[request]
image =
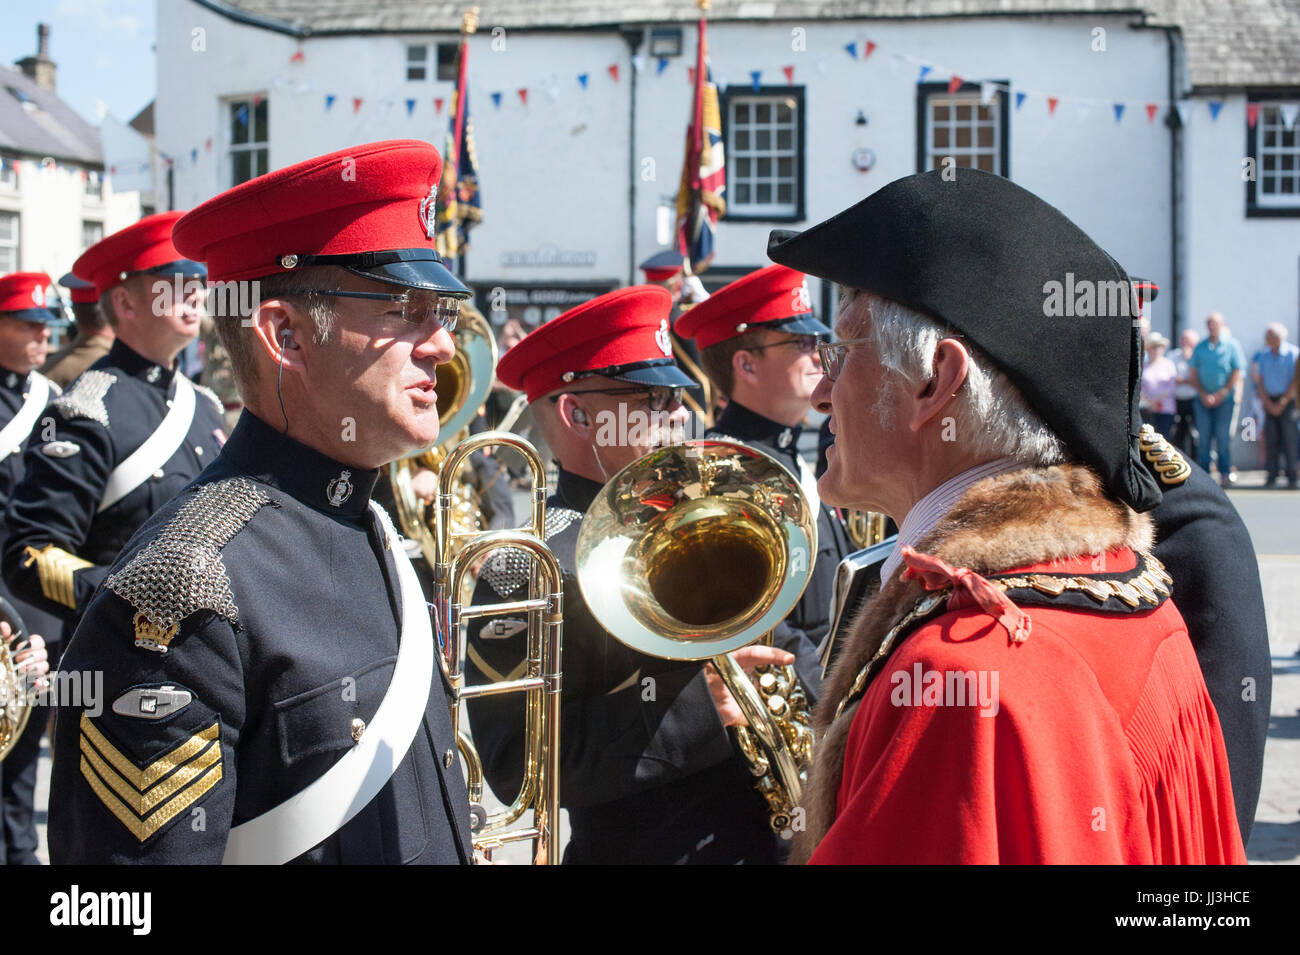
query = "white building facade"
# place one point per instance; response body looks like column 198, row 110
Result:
column 1100, row 114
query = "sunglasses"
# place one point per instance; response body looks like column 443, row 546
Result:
column 805, row 344
column 416, row 310
column 661, row 397
column 833, row 355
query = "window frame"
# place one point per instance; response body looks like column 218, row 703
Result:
column 797, row 93
column 90, row 222
column 1266, row 99
column 229, row 105
column 17, row 244
column 924, row 93
column 434, row 53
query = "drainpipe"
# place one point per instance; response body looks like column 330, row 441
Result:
column 633, row 36
column 1176, row 208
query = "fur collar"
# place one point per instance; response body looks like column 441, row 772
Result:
column 1019, row 519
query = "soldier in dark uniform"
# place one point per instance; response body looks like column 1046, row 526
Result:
column 25, row 318
column 667, row 270
column 93, row 339
column 263, row 636
column 758, row 342
column 649, row 771
column 127, row 436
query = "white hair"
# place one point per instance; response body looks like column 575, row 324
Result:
column 1278, row 329
column 990, row 416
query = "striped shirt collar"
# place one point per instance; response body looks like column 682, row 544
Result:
column 929, row 510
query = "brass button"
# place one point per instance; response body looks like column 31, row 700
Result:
column 358, row 727
column 448, row 758
column 158, row 475
column 198, row 450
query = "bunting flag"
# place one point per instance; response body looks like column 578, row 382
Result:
column 297, row 57
column 523, row 95
column 613, row 71
column 496, row 99
column 925, row 71
column 870, row 48
column 987, row 92
column 1215, row 106
column 582, row 78
column 459, row 201
column 954, row 84
column 1290, row 112
column 1184, row 112
column 756, row 79
column 789, row 74
column 1152, row 109
column 1252, row 114
column 661, row 65
column 1052, row 102
column 410, row 107
column 701, row 198
column 356, row 104
column 1119, row 111
column 437, row 105
column 853, row 49
column 207, row 144
column 1020, row 99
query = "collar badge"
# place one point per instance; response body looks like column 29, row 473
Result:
column 152, row 374
column 339, row 489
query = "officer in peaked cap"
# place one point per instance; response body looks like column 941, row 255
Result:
column 647, row 776
column 758, row 343
column 94, row 335
column 26, row 314
column 269, row 663
column 126, row 436
column 667, row 270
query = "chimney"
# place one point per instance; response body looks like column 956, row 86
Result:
column 40, row 67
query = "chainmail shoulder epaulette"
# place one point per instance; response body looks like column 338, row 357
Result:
column 180, row 571
column 506, row 570
column 85, row 397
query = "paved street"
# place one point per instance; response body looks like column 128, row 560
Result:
column 1273, row 518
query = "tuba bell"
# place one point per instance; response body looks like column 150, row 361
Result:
column 697, row 550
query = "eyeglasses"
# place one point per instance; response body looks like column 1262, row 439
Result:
column 833, row 355
column 661, row 397
column 416, row 310
column 806, row 344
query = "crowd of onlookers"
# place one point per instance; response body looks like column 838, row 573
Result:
column 1196, row 397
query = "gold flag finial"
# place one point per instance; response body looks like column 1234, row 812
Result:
column 469, row 22
column 704, row 5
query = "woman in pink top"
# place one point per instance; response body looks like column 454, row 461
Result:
column 1159, row 378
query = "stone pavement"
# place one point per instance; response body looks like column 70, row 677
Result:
column 1273, row 518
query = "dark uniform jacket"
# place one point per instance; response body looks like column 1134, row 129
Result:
column 648, row 772
column 109, row 411
column 289, row 624
column 811, row 614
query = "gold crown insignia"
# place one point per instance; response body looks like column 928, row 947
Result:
column 154, row 636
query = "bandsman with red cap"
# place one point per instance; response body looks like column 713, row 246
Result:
column 126, row 436
column 94, row 336
column 758, row 343
column 649, row 772
column 27, row 310
column 269, row 664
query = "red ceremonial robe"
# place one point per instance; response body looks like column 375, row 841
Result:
column 1093, row 741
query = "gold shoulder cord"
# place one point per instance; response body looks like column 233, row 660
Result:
column 1170, row 466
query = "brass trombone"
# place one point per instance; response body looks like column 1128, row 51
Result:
column 697, row 550
column 454, row 553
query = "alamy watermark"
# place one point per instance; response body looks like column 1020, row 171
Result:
column 222, row 299
column 922, row 687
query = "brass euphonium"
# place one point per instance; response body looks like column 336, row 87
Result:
column 697, row 550
column 15, row 705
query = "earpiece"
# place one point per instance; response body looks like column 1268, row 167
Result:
column 287, row 339
column 749, row 368
column 579, row 416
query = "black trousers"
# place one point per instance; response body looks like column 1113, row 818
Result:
column 1184, row 433
column 1280, row 438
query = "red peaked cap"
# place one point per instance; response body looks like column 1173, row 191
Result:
column 622, row 334
column 25, row 292
column 140, row 247
column 774, row 296
column 374, row 198
column 79, row 290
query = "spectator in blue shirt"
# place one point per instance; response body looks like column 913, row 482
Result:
column 1216, row 367
column 1273, row 372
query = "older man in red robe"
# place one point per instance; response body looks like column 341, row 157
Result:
column 1022, row 689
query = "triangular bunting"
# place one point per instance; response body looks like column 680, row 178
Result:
column 582, row 78
column 1184, row 111
column 1152, row 108
column 523, row 95
column 613, row 71
column 789, row 73
column 1020, row 99
column 954, row 84
column 410, row 107
column 496, row 99
column 925, row 71
column 207, row 144
column 1119, row 111
column 853, row 49
column 437, row 104
column 661, row 65
column 356, row 104
column 297, row 57
column 1252, row 114
column 756, row 79
column 869, row 49
column 987, row 92
column 638, row 62
column 1215, row 105
column 1290, row 112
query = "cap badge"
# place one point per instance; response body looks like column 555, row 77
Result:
column 38, row 296
column 339, row 489
column 152, row 374
column 803, row 298
column 428, row 212
column 662, row 340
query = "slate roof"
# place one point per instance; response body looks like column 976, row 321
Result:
column 1229, row 43
column 43, row 125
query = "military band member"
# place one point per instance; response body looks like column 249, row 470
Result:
column 758, row 343
column 296, row 656
column 1022, row 689
column 126, row 436
column 93, row 339
column 25, row 320
column 649, row 771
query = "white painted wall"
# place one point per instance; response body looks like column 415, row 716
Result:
column 1246, row 268
column 555, row 172
column 52, row 204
